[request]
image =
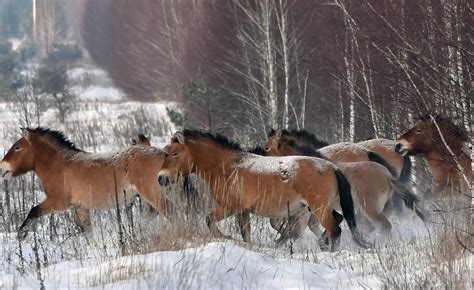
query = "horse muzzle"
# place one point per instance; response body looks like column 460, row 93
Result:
column 400, row 149
column 5, row 171
column 164, row 180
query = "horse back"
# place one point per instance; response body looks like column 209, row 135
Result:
column 344, row 152
column 386, row 149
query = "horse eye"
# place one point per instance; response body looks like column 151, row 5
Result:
column 267, row 149
column 17, row 148
column 175, row 154
column 418, row 130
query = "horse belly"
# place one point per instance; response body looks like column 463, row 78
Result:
column 100, row 199
column 280, row 209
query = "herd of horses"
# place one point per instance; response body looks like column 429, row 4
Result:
column 295, row 179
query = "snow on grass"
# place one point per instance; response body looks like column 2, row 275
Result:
column 96, row 93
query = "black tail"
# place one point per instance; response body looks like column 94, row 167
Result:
column 347, row 206
column 406, row 170
column 379, row 159
column 408, row 197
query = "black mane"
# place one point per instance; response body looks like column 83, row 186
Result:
column 258, row 150
column 141, row 136
column 457, row 130
column 55, row 136
column 306, row 137
column 217, row 138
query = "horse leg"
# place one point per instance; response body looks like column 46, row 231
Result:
column 151, row 194
column 381, row 222
column 331, row 240
column 83, row 219
column 243, row 220
column 314, row 226
column 47, row 206
column 218, row 213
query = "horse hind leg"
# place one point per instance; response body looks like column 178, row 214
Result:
column 380, row 221
column 331, row 239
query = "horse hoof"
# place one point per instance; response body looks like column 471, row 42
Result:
column 21, row 235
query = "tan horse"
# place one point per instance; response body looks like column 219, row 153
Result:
column 74, row 179
column 372, row 184
column 444, row 146
column 189, row 190
column 385, row 149
column 242, row 183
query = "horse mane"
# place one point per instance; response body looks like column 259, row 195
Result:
column 55, row 136
column 445, row 122
column 258, row 150
column 141, row 136
column 306, row 137
column 217, row 139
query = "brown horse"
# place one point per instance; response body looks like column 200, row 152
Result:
column 371, row 183
column 242, row 183
column 444, row 146
column 307, row 144
column 190, row 192
column 74, row 179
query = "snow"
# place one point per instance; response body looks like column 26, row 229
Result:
column 216, row 265
column 95, row 93
column 271, row 164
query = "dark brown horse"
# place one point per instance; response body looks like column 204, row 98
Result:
column 74, row 179
column 242, row 183
column 444, row 146
column 372, row 184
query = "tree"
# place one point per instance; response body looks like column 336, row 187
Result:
column 52, row 82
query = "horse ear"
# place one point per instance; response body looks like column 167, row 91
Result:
column 25, row 132
column 271, row 132
column 148, row 137
column 134, row 142
column 180, row 137
column 278, row 134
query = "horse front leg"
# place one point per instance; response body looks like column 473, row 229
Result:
column 243, row 220
column 49, row 205
column 218, row 213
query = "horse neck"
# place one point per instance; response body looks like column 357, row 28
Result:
column 210, row 161
column 47, row 159
column 442, row 164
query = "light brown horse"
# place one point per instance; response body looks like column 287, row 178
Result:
column 242, row 183
column 444, row 146
column 74, row 179
column 372, row 185
column 189, row 190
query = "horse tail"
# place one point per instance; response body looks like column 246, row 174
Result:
column 347, row 206
column 374, row 157
column 406, row 170
column 408, row 197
